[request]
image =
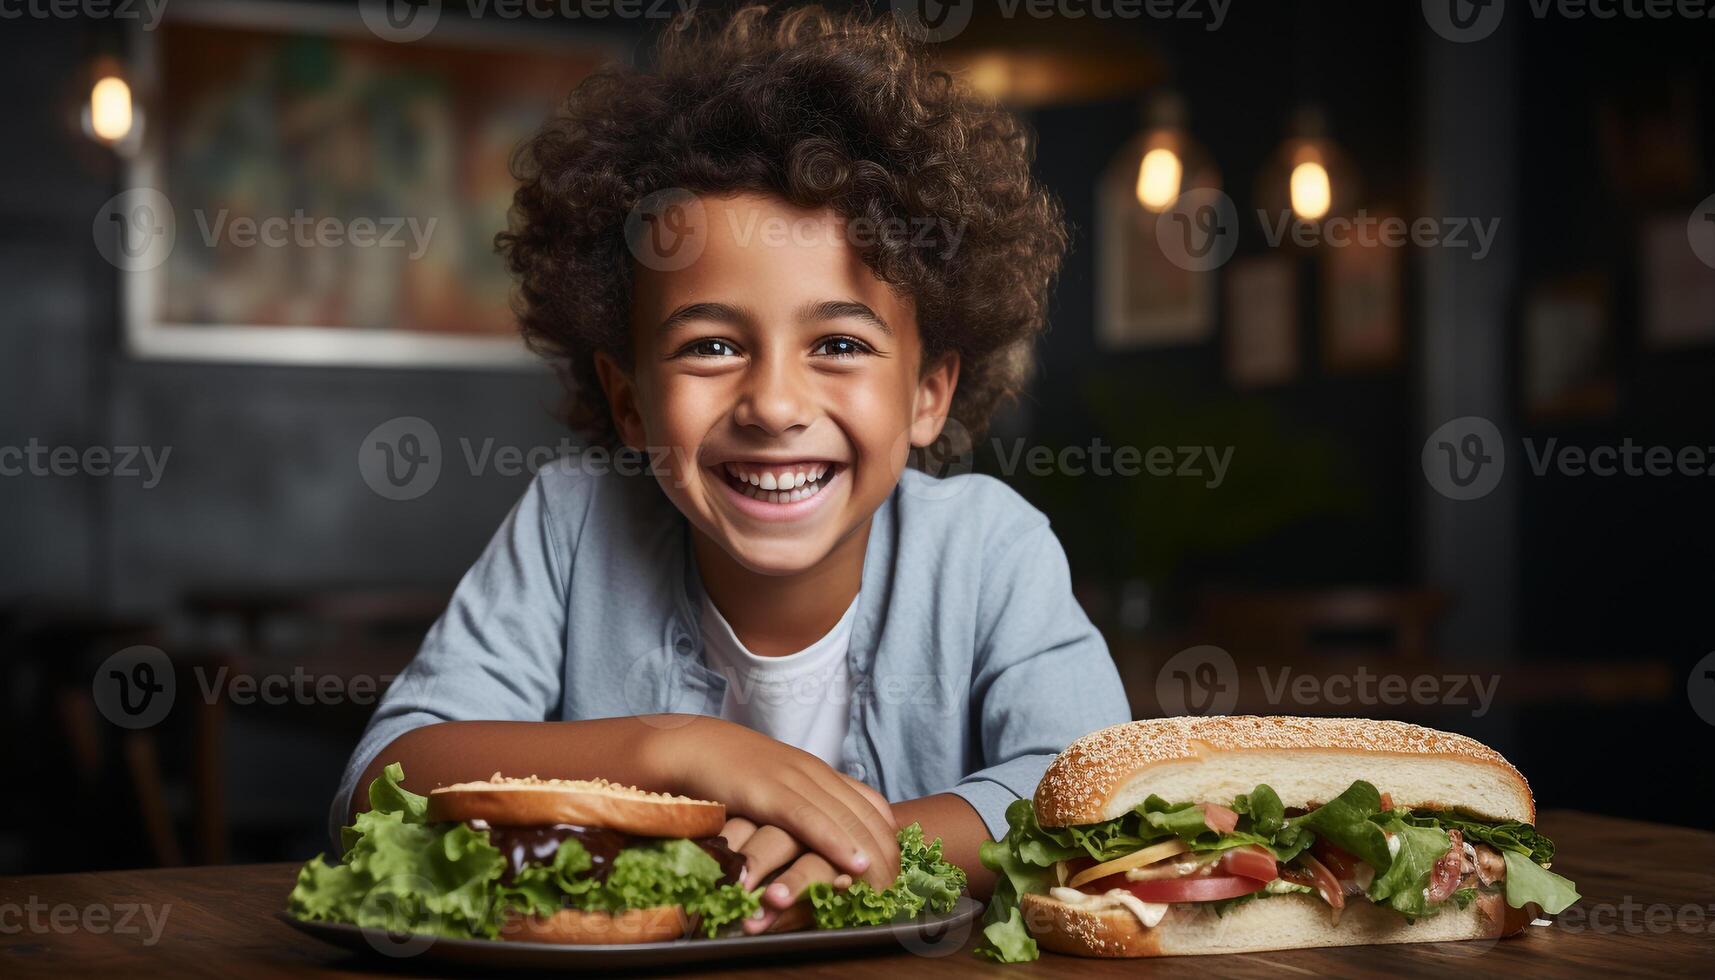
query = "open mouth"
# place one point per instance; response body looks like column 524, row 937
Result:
column 780, row 483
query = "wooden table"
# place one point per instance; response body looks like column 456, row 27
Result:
column 1648, row 910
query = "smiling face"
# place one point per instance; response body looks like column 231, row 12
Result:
column 778, row 383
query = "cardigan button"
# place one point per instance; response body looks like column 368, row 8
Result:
column 857, row 771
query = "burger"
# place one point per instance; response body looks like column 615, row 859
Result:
column 536, row 860
column 617, row 851
column 1185, row 836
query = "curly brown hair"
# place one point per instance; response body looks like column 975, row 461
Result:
column 823, row 110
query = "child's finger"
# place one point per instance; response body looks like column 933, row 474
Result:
column 789, row 887
column 857, row 819
column 791, row 920
column 827, row 826
column 736, row 831
column 868, row 792
column 766, row 851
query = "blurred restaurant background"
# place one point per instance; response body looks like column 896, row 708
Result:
column 1366, row 477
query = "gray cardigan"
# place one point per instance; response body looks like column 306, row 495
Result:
column 972, row 663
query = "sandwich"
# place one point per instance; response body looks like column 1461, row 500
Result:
column 1188, row 836
column 535, row 860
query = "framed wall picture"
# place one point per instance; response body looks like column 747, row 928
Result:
column 332, row 197
column 1678, row 278
column 1262, row 321
column 1143, row 298
column 1362, row 307
column 1567, row 340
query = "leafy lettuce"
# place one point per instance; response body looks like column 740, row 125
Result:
column 926, row 881
column 1401, row 846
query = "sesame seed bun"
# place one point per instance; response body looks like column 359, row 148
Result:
column 661, row 923
column 533, row 802
column 1293, row 921
column 1307, row 761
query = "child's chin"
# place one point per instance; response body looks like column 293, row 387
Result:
column 790, row 557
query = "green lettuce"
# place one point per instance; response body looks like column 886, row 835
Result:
column 402, row 874
column 1402, row 883
column 1529, row 882
column 926, row 881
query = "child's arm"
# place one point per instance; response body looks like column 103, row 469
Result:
column 765, row 780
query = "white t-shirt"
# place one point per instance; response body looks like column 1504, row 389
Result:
column 802, row 699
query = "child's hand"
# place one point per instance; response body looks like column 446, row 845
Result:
column 766, row 850
column 803, row 802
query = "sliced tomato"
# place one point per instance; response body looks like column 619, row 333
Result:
column 1327, row 885
column 1343, row 863
column 1249, row 861
column 1220, row 819
column 1210, row 889
column 1387, row 802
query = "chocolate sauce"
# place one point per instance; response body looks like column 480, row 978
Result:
column 537, row 845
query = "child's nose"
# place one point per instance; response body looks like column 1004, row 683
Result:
column 775, row 398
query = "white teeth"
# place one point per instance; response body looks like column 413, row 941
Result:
column 779, row 488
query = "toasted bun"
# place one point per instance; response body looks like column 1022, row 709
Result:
column 1277, row 922
column 662, row 923
column 531, row 802
column 1308, row 761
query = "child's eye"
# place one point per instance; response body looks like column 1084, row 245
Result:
column 841, row 347
column 709, row 347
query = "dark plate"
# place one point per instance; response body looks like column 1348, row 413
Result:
column 930, row 935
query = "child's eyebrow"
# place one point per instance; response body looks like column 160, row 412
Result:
column 715, row 312
column 843, row 309
column 814, row 312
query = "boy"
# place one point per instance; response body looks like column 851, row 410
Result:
column 776, row 613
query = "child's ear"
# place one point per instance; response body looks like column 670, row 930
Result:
column 934, row 399
column 621, row 392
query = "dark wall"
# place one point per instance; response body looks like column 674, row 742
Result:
column 1344, row 438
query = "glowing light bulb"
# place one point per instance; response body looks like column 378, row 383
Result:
column 1158, row 179
column 1311, row 194
column 110, row 116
